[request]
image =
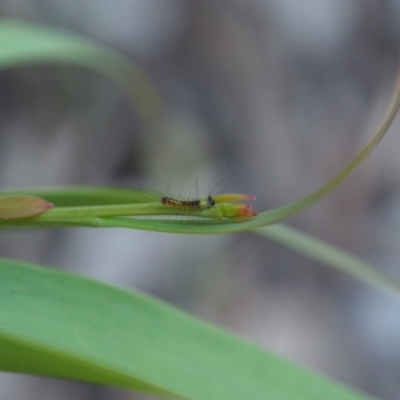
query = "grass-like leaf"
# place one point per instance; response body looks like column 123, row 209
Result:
column 61, row 325
column 330, row 255
column 108, row 216
column 23, row 44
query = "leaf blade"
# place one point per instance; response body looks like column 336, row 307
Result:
column 24, row 43
column 66, row 326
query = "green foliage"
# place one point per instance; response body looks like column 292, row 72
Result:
column 27, row 44
column 62, row 325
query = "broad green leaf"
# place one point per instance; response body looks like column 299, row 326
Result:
column 24, row 44
column 61, row 325
column 22, row 206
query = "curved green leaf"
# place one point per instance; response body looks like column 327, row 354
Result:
column 95, row 217
column 23, row 43
column 61, row 325
column 330, row 255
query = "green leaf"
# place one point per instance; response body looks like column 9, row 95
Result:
column 61, row 325
column 99, row 216
column 86, row 195
column 23, row 44
column 330, row 255
column 22, row 206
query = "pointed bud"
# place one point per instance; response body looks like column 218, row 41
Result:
column 22, row 206
column 238, row 212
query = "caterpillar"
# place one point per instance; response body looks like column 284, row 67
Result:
column 188, row 205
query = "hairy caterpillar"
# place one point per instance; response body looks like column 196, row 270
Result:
column 188, row 205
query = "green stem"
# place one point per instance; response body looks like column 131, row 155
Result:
column 59, row 216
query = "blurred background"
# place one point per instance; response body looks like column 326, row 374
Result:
column 268, row 97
